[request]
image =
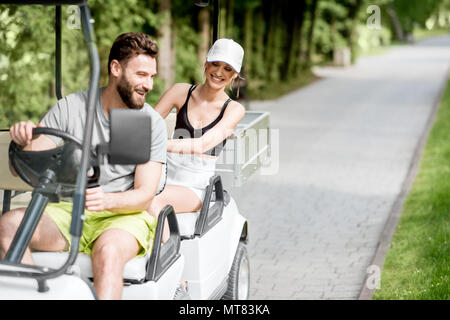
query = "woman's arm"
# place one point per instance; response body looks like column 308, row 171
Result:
column 223, row 129
column 173, row 97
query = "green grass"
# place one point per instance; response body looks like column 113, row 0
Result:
column 375, row 51
column 418, row 263
column 420, row 34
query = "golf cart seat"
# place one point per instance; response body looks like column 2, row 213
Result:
column 187, row 221
column 134, row 271
column 138, row 270
column 190, row 225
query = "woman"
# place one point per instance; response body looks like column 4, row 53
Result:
column 206, row 116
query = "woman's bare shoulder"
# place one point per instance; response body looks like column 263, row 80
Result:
column 181, row 87
column 234, row 112
column 236, row 107
column 174, row 96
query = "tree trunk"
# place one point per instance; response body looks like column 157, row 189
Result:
column 395, row 22
column 229, row 32
column 310, row 50
column 258, row 65
column 222, row 20
column 353, row 15
column 294, row 40
column 165, row 61
column 271, row 42
column 205, row 30
column 248, row 39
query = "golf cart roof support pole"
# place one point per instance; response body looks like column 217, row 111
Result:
column 76, row 226
column 58, row 52
column 216, row 20
column 26, row 228
column 7, row 195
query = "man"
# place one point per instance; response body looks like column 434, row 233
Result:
column 117, row 227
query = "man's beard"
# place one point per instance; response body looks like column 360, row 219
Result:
column 126, row 91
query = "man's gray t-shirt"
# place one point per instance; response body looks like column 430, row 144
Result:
column 69, row 115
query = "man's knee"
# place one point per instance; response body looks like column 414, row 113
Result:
column 9, row 223
column 105, row 255
column 107, row 259
column 113, row 249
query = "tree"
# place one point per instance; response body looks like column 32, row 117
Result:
column 294, row 48
column 418, row 13
column 204, row 21
column 310, row 38
column 166, row 49
column 354, row 8
column 26, row 63
column 280, row 39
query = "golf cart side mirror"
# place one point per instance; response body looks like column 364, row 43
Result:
column 130, row 133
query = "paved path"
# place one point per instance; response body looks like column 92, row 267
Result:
column 346, row 144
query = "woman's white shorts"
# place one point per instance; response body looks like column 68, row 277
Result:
column 191, row 171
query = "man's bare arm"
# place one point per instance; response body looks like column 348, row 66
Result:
column 146, row 182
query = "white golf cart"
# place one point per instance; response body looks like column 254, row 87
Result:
column 207, row 249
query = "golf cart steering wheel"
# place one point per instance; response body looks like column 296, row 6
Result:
column 55, row 170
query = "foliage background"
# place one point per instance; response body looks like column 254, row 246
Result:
column 282, row 40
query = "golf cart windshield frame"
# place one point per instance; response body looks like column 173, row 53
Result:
column 79, row 196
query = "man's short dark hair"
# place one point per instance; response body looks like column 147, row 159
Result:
column 131, row 44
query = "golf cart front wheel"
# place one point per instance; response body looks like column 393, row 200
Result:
column 239, row 276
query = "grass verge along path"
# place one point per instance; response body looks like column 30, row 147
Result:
column 417, row 265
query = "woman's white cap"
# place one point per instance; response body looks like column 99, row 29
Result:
column 228, row 51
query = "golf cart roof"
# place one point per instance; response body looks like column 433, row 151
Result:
column 43, row 2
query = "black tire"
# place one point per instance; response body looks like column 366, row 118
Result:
column 239, row 276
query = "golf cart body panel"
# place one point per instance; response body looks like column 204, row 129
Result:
column 58, row 288
column 211, row 255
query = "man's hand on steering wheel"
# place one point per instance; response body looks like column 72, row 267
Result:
column 22, row 132
column 32, row 154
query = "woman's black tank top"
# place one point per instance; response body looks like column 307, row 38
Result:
column 184, row 129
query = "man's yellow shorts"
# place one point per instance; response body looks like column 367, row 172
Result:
column 140, row 224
